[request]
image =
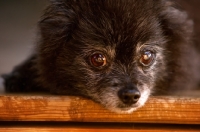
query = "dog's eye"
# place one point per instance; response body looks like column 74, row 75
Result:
column 98, row 60
column 147, row 58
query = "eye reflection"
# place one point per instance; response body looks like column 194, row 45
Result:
column 98, row 60
column 147, row 58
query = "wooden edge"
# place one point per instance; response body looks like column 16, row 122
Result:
column 77, row 109
column 36, row 129
column 97, row 127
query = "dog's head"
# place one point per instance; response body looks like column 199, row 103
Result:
column 112, row 51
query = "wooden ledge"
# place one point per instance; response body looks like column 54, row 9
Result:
column 64, row 108
column 106, row 127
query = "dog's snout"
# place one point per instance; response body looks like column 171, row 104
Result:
column 129, row 96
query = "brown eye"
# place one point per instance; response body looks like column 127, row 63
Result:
column 147, row 58
column 98, row 60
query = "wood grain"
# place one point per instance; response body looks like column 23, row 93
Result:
column 65, row 108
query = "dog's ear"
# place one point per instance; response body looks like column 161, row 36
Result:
column 175, row 22
column 55, row 31
column 56, row 25
column 178, row 30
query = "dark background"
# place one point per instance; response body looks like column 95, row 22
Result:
column 18, row 20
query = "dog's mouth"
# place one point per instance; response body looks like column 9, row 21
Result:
column 124, row 109
column 127, row 109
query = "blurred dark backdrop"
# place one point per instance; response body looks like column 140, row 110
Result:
column 18, row 20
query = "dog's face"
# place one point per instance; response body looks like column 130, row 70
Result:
column 110, row 51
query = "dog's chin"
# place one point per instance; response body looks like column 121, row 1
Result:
column 127, row 110
column 115, row 105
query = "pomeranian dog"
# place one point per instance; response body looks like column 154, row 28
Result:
column 115, row 52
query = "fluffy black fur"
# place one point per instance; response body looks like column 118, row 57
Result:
column 72, row 30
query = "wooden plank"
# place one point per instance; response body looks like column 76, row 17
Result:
column 97, row 127
column 37, row 129
column 65, row 108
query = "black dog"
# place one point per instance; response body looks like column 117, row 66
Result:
column 116, row 52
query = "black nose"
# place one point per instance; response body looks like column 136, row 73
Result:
column 129, row 96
